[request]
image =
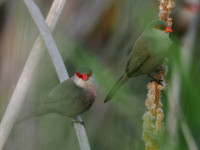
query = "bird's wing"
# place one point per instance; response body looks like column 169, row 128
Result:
column 138, row 55
column 65, row 90
column 66, row 99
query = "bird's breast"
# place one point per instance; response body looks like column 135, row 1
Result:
column 92, row 89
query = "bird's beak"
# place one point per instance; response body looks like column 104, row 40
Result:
column 168, row 29
column 85, row 77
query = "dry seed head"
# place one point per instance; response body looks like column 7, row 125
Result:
column 150, row 96
column 165, row 8
column 150, row 141
column 171, row 5
column 160, row 87
column 160, row 113
column 163, row 1
column 160, row 104
column 149, row 102
column 169, row 21
column 159, row 119
column 151, row 88
column 149, row 122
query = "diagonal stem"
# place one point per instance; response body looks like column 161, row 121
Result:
column 25, row 81
column 58, row 63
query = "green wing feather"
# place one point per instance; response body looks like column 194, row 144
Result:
column 138, row 56
column 60, row 92
column 68, row 99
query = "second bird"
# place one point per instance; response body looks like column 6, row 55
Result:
column 147, row 54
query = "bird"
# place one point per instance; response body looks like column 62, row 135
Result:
column 70, row 98
column 147, row 54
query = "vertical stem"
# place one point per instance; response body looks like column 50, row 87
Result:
column 174, row 112
column 81, row 134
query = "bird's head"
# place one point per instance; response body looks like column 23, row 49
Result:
column 83, row 73
column 160, row 26
column 84, row 77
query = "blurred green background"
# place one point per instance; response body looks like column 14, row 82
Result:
column 99, row 34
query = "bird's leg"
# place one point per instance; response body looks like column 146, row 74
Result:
column 77, row 121
column 157, row 80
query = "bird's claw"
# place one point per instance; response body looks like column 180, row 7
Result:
column 159, row 81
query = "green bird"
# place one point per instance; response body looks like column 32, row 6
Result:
column 147, row 54
column 71, row 97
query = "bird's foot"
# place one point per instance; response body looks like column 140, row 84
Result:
column 158, row 81
column 78, row 121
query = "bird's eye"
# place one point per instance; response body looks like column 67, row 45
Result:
column 89, row 74
column 79, row 75
column 160, row 27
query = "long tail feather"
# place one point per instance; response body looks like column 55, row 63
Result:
column 38, row 112
column 26, row 117
column 120, row 82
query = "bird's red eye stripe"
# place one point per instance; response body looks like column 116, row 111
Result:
column 89, row 74
column 160, row 27
column 79, row 75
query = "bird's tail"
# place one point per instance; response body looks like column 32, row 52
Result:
column 36, row 113
column 26, row 117
column 120, row 82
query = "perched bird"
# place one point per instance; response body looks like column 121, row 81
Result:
column 147, row 54
column 71, row 97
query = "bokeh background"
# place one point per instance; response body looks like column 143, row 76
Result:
column 100, row 34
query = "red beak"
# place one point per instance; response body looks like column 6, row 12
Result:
column 168, row 29
column 85, row 77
